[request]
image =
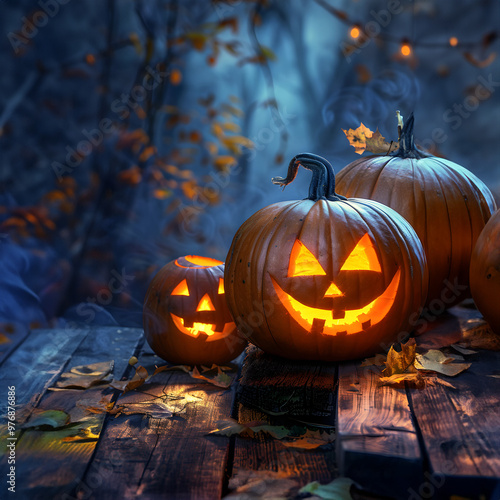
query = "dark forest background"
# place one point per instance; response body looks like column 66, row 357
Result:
column 136, row 131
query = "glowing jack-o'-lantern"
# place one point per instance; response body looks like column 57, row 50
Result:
column 186, row 318
column 325, row 278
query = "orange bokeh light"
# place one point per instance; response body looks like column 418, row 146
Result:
column 405, row 49
column 355, row 32
column 453, row 41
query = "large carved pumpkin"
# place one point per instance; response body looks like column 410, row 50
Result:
column 485, row 272
column 446, row 204
column 325, row 278
column 186, row 318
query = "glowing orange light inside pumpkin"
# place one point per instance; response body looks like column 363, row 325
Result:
column 221, row 286
column 405, row 49
column 207, row 328
column 333, row 291
column 203, row 262
column 303, row 262
column 453, row 41
column 363, row 257
column 181, row 289
column 205, row 304
column 354, row 320
column 355, row 32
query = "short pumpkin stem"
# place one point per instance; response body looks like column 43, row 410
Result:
column 323, row 180
column 407, row 147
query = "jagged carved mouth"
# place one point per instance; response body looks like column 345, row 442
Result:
column 316, row 320
column 208, row 329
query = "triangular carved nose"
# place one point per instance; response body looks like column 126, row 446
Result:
column 333, row 291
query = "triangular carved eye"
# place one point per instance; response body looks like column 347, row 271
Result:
column 181, row 289
column 303, row 262
column 205, row 304
column 363, row 257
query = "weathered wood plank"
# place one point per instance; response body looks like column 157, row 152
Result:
column 275, row 385
column 377, row 444
column 169, row 457
column 12, row 335
column 51, row 462
column 264, row 453
column 461, row 430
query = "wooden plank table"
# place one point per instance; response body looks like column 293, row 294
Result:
column 74, row 443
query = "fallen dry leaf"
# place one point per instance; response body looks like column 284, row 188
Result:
column 338, row 489
column 438, row 362
column 309, row 439
column 414, row 379
column 52, row 419
column 400, row 361
column 85, row 376
column 463, row 350
column 378, row 145
column 377, row 360
column 250, row 484
column 221, row 379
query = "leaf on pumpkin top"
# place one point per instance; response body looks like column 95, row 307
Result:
column 400, row 362
column 378, row 145
column 85, row 376
column 357, row 137
column 436, row 361
column 338, row 489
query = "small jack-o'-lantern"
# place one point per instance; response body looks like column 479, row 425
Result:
column 485, row 272
column 186, row 318
column 325, row 278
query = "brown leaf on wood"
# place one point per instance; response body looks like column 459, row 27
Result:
column 436, row 361
column 85, row 376
column 400, row 361
column 398, row 379
column 377, row 360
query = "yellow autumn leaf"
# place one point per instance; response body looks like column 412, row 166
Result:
column 357, row 137
column 400, row 361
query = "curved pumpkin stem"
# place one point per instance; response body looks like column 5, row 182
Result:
column 407, row 147
column 323, row 180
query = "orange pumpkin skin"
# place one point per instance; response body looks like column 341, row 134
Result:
column 485, row 272
column 355, row 269
column 185, row 315
column 446, row 204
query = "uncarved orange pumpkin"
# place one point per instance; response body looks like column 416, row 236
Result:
column 446, row 204
column 485, row 272
column 185, row 315
column 325, row 278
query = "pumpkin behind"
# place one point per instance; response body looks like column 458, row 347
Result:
column 446, row 204
column 485, row 272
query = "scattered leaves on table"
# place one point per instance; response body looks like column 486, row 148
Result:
column 85, row 376
column 436, row 361
column 415, row 379
column 338, row 489
column 214, row 375
column 308, row 439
